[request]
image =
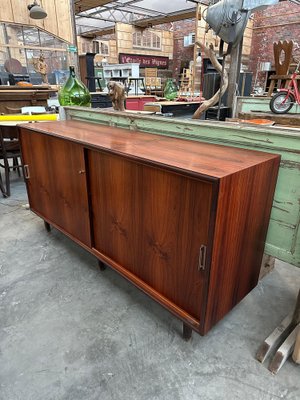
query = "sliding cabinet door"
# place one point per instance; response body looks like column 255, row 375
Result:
column 56, row 182
column 155, row 223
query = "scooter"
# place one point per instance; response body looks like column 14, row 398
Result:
column 283, row 101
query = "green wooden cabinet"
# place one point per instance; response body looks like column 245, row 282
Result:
column 99, row 73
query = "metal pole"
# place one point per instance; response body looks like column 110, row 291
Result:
column 74, row 34
column 198, row 16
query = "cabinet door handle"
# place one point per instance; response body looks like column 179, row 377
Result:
column 26, row 171
column 82, row 171
column 202, row 258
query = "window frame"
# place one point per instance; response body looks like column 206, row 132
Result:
column 147, row 39
column 25, row 49
column 101, row 45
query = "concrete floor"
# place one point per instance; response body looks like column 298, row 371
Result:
column 69, row 331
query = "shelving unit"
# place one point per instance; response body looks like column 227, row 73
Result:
column 114, row 71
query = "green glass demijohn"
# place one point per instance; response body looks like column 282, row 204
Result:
column 170, row 91
column 74, row 92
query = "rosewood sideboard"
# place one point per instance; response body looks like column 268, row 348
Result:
column 184, row 221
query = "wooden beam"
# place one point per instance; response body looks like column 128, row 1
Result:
column 163, row 19
column 234, row 74
column 84, row 5
column 284, row 351
column 274, row 339
column 286, row 332
column 99, row 32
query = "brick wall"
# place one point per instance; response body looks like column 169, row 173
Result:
column 182, row 55
column 279, row 22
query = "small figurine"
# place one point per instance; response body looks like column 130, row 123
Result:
column 41, row 67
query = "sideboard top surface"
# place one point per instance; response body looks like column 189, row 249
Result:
column 201, row 158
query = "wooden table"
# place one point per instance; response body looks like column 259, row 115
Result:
column 12, row 99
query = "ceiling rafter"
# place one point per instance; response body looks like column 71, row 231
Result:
column 83, row 5
column 115, row 14
column 126, row 18
column 147, row 22
column 104, row 31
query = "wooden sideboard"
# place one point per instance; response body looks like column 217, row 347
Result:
column 184, row 221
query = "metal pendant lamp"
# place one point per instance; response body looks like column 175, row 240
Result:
column 228, row 18
column 36, row 11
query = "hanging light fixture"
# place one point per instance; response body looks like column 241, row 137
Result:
column 36, row 11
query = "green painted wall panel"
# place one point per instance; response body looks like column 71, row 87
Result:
column 286, row 196
column 252, row 104
column 283, row 239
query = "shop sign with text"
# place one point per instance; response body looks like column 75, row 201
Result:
column 145, row 61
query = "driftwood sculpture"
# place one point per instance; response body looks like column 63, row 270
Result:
column 213, row 100
column 116, row 91
column 41, row 67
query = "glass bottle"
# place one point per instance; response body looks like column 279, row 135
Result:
column 74, row 92
column 170, row 90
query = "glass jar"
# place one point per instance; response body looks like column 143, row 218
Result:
column 74, row 92
column 170, row 90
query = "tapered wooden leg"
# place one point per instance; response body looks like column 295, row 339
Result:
column 102, row 266
column 7, row 181
column 186, row 332
column 47, row 226
column 2, row 188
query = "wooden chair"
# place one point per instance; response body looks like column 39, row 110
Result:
column 283, row 58
column 152, row 82
column 9, row 150
column 185, row 82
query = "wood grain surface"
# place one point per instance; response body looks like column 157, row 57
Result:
column 196, row 157
column 146, row 205
column 57, row 183
column 153, row 223
column 243, row 213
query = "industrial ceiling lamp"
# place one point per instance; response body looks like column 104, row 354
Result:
column 36, row 11
column 228, row 18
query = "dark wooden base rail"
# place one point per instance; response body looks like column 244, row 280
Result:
column 184, row 221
